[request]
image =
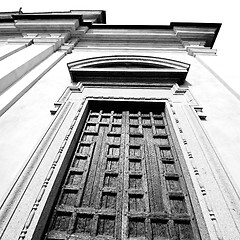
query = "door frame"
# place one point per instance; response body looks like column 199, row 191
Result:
column 147, row 104
column 31, row 197
column 54, row 183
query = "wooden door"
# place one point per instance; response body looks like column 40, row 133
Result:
column 124, row 182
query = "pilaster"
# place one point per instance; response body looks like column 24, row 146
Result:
column 12, row 46
column 55, row 49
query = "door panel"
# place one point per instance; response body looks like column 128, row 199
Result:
column 124, row 182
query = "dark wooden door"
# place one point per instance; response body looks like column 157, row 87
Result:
column 125, row 182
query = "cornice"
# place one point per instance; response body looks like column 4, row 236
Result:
column 176, row 35
column 195, row 50
column 204, row 33
column 144, row 70
column 49, row 22
column 198, row 31
column 151, row 61
column 98, row 16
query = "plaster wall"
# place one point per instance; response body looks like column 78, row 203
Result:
column 24, row 124
column 217, row 90
column 8, row 49
column 18, row 64
column 225, row 68
column 221, row 106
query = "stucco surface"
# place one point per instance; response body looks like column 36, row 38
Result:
column 18, row 64
column 8, row 49
column 26, row 121
column 223, row 115
column 23, row 125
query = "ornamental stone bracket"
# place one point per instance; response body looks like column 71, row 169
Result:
column 184, row 91
column 200, row 113
column 65, row 96
column 190, row 99
column 69, row 46
column 61, row 41
column 200, row 50
column 194, row 48
column 57, row 39
column 20, row 40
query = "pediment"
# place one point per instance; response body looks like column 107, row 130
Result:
column 128, row 68
column 127, row 62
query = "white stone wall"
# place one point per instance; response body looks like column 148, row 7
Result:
column 24, row 122
column 27, row 117
column 25, row 106
column 218, row 93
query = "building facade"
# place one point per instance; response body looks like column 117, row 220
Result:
column 114, row 132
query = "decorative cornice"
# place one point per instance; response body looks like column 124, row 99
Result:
column 49, row 22
column 68, row 46
column 198, row 50
column 144, row 70
column 175, row 36
column 152, row 62
column 199, row 111
column 177, row 90
column 127, row 98
column 205, row 33
column 95, row 16
column 19, row 40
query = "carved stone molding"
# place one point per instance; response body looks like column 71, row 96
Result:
column 200, row 113
column 21, row 184
column 76, row 88
column 198, row 176
column 128, row 70
column 19, row 40
column 195, row 50
column 219, row 199
column 48, row 176
column 191, row 100
column 69, row 45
